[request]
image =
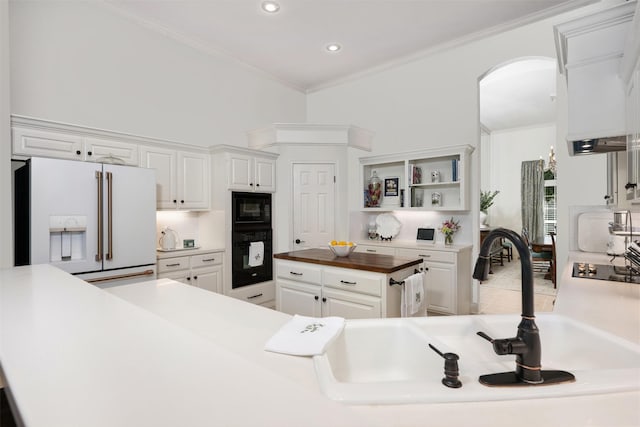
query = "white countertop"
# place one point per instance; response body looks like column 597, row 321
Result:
column 414, row 244
column 612, row 306
column 163, row 353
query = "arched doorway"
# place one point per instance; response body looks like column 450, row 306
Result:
column 518, row 123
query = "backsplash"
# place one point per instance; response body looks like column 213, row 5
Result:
column 185, row 224
column 411, row 221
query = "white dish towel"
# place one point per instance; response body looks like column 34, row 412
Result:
column 412, row 299
column 305, row 336
column 256, row 254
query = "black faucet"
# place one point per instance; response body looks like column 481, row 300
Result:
column 526, row 344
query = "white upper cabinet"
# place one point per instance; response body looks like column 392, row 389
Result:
column 31, row 137
column 244, row 169
column 105, row 150
column 265, row 174
column 182, row 171
column 182, row 177
column 32, row 142
column 435, row 179
column 630, row 71
column 193, row 180
column 590, row 50
column 251, row 173
column 164, row 162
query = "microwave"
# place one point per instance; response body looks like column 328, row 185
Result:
column 251, row 209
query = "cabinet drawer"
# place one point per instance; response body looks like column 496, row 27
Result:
column 173, row 264
column 427, row 254
column 205, row 260
column 255, row 294
column 300, row 272
column 380, row 250
column 353, row 281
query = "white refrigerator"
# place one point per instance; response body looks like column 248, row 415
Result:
column 94, row 220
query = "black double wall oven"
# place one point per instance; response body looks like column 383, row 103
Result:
column 251, row 239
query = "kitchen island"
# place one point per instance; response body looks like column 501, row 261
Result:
column 317, row 283
column 161, row 353
column 358, row 261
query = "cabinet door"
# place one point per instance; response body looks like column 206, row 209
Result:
column 101, row 150
column 182, row 276
column 350, row 305
column 164, row 162
column 209, row 279
column 441, row 287
column 30, row 142
column 298, row 298
column 193, row 180
column 633, row 138
column 265, row 175
column 240, row 172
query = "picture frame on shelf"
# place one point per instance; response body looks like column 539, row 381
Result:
column 391, row 187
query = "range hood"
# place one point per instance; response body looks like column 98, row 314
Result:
column 590, row 50
column 597, row 145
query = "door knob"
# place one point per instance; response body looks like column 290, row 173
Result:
column 298, row 241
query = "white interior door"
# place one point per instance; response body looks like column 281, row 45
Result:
column 313, row 204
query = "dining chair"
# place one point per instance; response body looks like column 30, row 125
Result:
column 540, row 261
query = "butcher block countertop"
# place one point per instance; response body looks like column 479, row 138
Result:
column 357, row 260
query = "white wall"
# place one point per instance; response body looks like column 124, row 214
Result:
column 82, row 63
column 6, row 233
column 433, row 102
column 507, row 150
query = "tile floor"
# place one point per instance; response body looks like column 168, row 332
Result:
column 500, row 294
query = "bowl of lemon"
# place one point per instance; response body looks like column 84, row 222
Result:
column 342, row 248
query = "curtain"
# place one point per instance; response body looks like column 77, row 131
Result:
column 532, row 195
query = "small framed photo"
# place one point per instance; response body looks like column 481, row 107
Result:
column 391, row 187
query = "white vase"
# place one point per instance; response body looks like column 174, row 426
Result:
column 483, row 218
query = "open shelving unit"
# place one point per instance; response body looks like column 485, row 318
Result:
column 433, row 179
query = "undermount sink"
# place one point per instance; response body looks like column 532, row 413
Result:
column 388, row 361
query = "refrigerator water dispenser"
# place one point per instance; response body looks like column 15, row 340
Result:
column 67, row 237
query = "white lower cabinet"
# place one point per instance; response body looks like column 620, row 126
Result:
column 350, row 305
column 298, row 298
column 203, row 270
column 320, row 291
column 260, row 294
column 447, row 279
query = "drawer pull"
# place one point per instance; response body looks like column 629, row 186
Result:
column 424, row 255
column 254, row 296
column 208, row 260
column 348, row 283
column 177, row 264
column 296, row 274
column 371, row 250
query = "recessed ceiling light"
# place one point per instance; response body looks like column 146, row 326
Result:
column 333, row 47
column 270, row 6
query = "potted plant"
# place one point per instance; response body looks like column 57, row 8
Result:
column 486, row 201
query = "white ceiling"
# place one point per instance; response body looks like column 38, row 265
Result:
column 289, row 45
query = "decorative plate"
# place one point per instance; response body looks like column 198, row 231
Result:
column 388, row 226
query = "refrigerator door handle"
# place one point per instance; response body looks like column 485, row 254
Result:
column 109, row 216
column 100, row 218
